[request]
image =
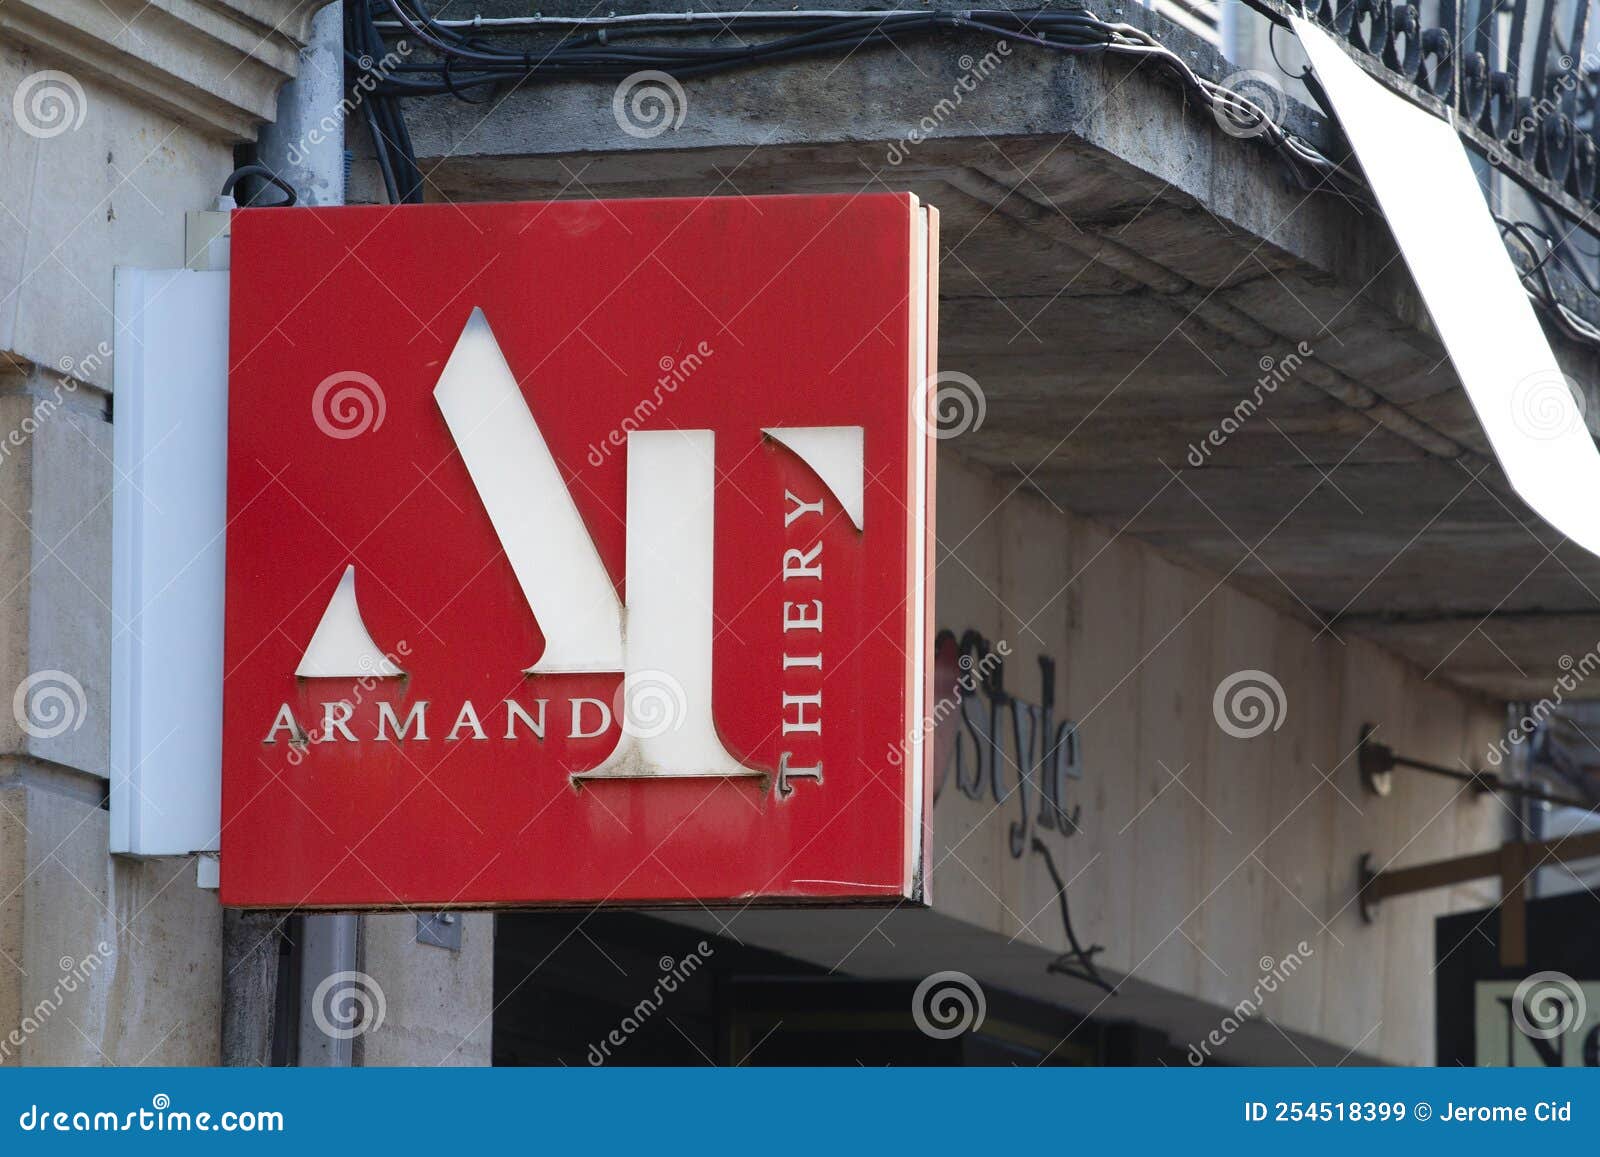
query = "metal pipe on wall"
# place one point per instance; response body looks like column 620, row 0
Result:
column 305, row 146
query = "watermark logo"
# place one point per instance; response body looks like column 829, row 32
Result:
column 1274, row 372
column 1248, row 103
column 347, row 404
column 369, row 75
column 75, row 974
column 1249, row 703
column 973, row 72
column 49, row 703
column 649, row 103
column 948, row 1004
column 1575, row 673
column 1561, row 86
column 1547, row 405
column 49, row 103
column 347, row 1005
column 953, row 403
column 674, row 974
column 674, row 372
column 650, row 704
column 973, row 673
column 1547, row 1005
column 1274, row 974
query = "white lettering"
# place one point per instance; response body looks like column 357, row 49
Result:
column 467, row 718
column 800, row 722
column 800, row 508
column 796, row 619
column 514, row 712
column 387, row 720
column 285, row 721
column 577, row 731
column 335, row 716
column 798, row 564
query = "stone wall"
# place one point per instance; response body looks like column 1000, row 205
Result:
column 115, row 120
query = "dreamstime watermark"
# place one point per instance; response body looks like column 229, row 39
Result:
column 650, row 704
column 973, row 674
column 348, row 1004
column 1576, row 673
column 336, row 715
column 347, row 404
column 649, row 103
column 1274, row 973
column 674, row 372
column 49, row 103
column 947, row 1004
column 950, row 403
column 673, row 974
column 74, row 974
column 1562, row 85
column 160, row 1117
column 1547, row 405
column 1249, row 703
column 1247, row 103
column 48, row 704
column 1274, row 372
column 331, row 128
column 43, row 407
column 973, row 73
column 1547, row 1005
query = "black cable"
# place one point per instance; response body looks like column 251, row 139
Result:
column 391, row 139
column 267, row 175
column 466, row 66
column 359, row 62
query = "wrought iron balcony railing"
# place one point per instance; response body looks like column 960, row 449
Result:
column 1520, row 77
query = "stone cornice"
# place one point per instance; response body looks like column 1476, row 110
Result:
column 214, row 64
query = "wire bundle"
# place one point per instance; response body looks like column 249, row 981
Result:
column 465, row 61
column 470, row 67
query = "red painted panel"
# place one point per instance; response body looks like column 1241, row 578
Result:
column 727, row 315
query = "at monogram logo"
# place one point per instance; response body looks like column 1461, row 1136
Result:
column 661, row 641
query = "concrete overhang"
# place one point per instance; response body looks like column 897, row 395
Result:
column 1118, row 275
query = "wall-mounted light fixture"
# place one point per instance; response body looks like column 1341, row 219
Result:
column 1377, row 762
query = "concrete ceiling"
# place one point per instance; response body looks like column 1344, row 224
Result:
column 1116, row 278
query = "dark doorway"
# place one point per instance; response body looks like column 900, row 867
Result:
column 621, row 988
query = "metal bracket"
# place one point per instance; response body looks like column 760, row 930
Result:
column 1366, row 900
column 440, row 929
column 1376, row 762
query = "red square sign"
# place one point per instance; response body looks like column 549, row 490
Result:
column 578, row 553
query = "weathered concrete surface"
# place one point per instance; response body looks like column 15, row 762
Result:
column 215, row 67
column 104, row 961
column 111, row 191
column 55, row 521
column 439, row 1003
column 1118, row 273
column 251, row 942
column 153, row 98
column 101, row 961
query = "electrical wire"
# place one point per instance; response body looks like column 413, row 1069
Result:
column 1541, row 291
column 469, row 65
column 606, row 47
column 267, row 175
